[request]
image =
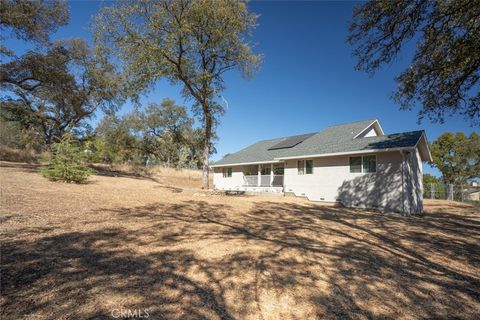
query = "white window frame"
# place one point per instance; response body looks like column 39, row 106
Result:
column 361, row 163
column 304, row 167
column 227, row 172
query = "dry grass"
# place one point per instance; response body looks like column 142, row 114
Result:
column 159, row 244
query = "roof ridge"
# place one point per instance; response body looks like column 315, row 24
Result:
column 345, row 123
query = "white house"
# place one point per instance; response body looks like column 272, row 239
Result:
column 353, row 164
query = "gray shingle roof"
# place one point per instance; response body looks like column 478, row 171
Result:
column 334, row 139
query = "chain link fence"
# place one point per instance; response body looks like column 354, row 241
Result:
column 463, row 193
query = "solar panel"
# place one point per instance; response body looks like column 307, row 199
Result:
column 291, row 141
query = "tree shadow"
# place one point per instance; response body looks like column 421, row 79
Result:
column 80, row 265
column 207, row 260
column 26, row 167
column 392, row 188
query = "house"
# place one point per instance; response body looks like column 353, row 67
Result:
column 354, row 164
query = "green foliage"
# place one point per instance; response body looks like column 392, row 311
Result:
column 14, row 135
column 31, row 20
column 68, row 162
column 457, row 157
column 191, row 43
column 160, row 134
column 429, row 179
column 444, row 73
column 58, row 90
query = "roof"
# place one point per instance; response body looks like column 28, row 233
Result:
column 332, row 140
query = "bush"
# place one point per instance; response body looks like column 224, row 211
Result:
column 68, row 162
column 17, row 155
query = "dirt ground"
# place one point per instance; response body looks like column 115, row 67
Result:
column 158, row 246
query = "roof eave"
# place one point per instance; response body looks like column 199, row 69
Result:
column 242, row 163
column 428, row 158
column 346, row 153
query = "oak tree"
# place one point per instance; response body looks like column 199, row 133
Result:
column 191, row 43
column 444, row 73
column 457, row 157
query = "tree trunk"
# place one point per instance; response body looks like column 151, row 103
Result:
column 206, row 153
column 206, row 147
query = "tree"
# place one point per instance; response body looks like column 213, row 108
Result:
column 31, row 20
column 160, row 134
column 165, row 128
column 429, row 179
column 68, row 162
column 445, row 70
column 192, row 43
column 457, row 157
column 15, row 136
column 114, row 142
column 57, row 90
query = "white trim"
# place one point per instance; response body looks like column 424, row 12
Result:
column 225, row 172
column 243, row 163
column 373, row 122
column 361, row 163
column 430, row 159
column 344, row 153
column 321, row 155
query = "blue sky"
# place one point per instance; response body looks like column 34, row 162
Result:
column 307, row 80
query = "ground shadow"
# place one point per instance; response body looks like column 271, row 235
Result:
column 203, row 260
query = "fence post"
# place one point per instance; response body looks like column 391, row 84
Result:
column 450, row 192
column 432, row 191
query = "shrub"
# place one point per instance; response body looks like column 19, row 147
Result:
column 18, row 155
column 68, row 162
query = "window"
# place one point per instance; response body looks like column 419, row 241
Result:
column 305, row 166
column 300, row 168
column 227, row 172
column 278, row 171
column 309, row 166
column 250, row 170
column 265, row 170
column 365, row 164
column 370, row 164
column 355, row 164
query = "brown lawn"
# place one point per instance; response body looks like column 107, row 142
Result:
column 159, row 245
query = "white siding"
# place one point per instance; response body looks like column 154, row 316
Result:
column 414, row 183
column 396, row 186
column 370, row 133
column 221, row 183
column 332, row 181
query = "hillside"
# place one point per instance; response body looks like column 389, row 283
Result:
column 158, row 244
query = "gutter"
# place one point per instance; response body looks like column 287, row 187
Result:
column 344, row 153
column 242, row 163
column 281, row 159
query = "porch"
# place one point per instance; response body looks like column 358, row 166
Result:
column 264, row 175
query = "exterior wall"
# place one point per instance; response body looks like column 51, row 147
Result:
column 332, row 181
column 414, row 182
column 221, row 183
column 369, row 132
column 396, row 186
column 475, row 196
